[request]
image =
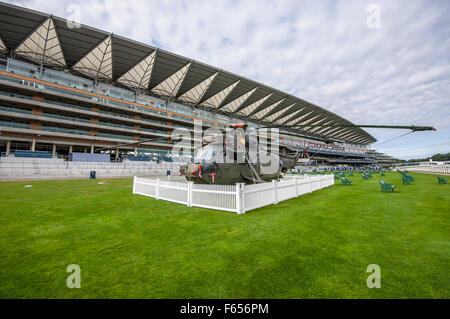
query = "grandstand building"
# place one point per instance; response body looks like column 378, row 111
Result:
column 67, row 90
column 383, row 160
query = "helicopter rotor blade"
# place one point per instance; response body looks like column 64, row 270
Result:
column 410, row 127
column 136, row 143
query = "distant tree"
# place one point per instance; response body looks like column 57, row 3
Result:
column 436, row 157
column 441, row 157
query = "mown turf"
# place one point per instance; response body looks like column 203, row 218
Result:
column 314, row 246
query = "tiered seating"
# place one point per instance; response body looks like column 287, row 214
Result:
column 35, row 154
column 138, row 158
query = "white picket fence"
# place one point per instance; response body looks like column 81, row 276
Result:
column 238, row 198
column 436, row 169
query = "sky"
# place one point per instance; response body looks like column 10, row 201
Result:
column 371, row 62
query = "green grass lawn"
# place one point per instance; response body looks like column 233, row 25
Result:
column 314, row 246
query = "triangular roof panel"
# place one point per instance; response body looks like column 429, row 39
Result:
column 139, row 76
column 276, row 115
column 292, row 122
column 313, row 128
column 259, row 115
column 306, row 122
column 331, row 131
column 318, row 129
column 217, row 99
column 195, row 94
column 97, row 63
column 236, row 103
column 42, row 45
column 2, row 45
column 249, row 109
column 171, row 85
column 288, row 117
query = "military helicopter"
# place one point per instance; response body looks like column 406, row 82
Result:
column 239, row 157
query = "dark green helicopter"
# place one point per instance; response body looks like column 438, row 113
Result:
column 238, row 156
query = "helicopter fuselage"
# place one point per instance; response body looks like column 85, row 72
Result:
column 224, row 173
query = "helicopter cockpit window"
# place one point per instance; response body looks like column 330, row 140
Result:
column 205, row 154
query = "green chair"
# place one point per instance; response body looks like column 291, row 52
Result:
column 441, row 180
column 382, row 174
column 406, row 180
column 346, row 181
column 385, row 187
column 407, row 176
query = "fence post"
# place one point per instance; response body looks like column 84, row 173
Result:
column 275, row 191
column 134, row 184
column 238, row 198
column 242, row 198
column 157, row 189
column 309, row 183
column 189, row 194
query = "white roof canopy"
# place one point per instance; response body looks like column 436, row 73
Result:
column 42, row 45
column 139, row 76
column 98, row 62
column 195, row 94
column 236, row 103
column 171, row 85
column 217, row 99
column 250, row 108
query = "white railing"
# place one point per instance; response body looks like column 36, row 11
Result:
column 238, row 198
column 436, row 169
